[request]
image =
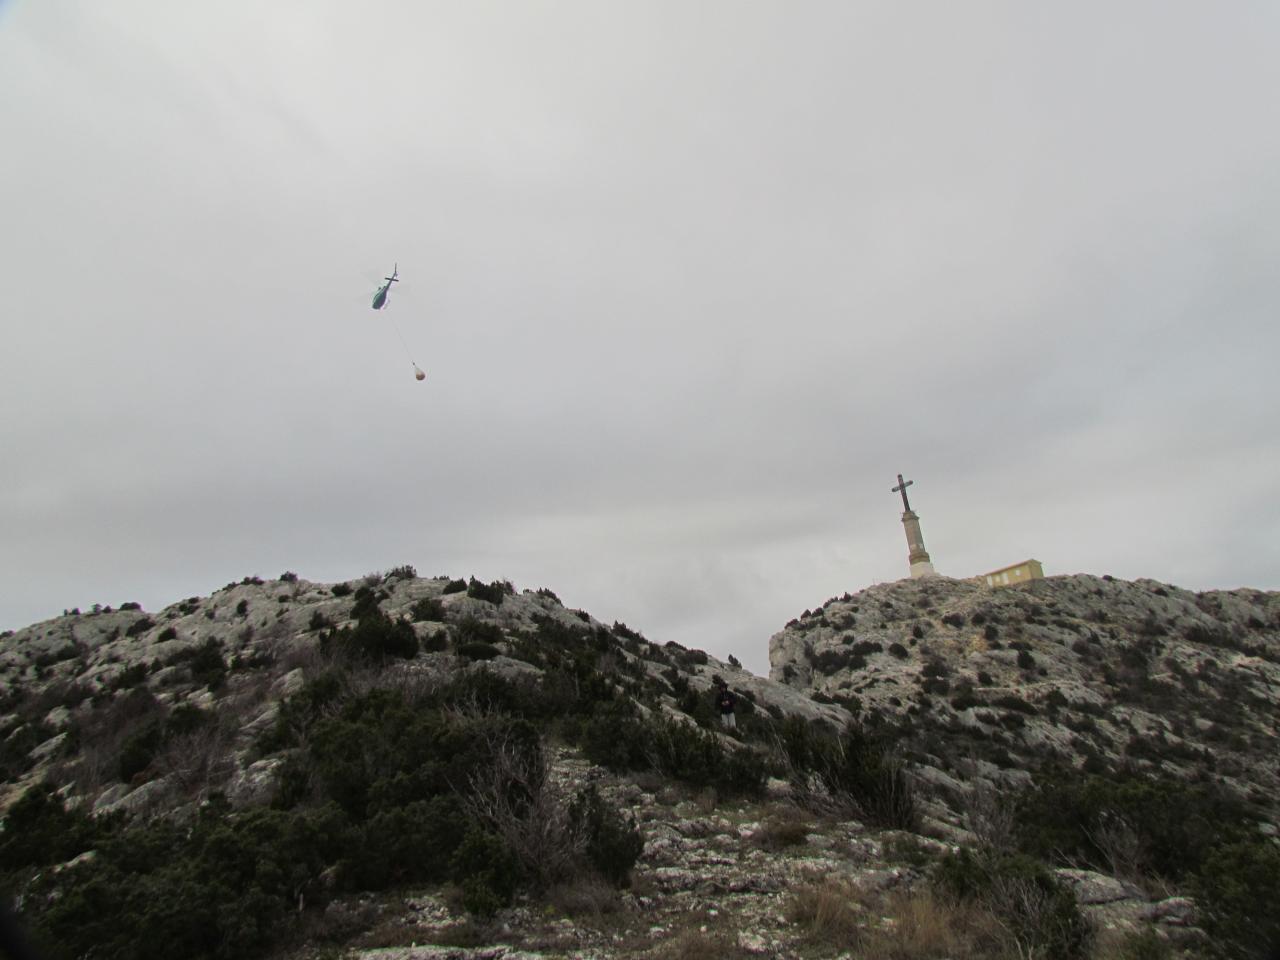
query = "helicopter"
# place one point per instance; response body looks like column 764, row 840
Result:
column 380, row 298
column 380, row 301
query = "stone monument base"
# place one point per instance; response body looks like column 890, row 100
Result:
column 922, row 568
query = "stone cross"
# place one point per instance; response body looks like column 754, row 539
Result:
column 902, row 488
column 917, row 555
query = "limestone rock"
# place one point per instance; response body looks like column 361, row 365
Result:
column 256, row 784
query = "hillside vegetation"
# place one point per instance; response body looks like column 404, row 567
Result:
column 423, row 767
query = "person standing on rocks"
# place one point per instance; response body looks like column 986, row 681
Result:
column 726, row 700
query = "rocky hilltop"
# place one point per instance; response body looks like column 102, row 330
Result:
column 246, row 648
column 409, row 768
column 1093, row 672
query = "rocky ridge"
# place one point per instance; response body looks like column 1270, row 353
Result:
column 1093, row 672
column 718, row 875
column 265, row 633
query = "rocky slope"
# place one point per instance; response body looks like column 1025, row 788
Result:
column 263, row 637
column 1096, row 672
column 977, row 687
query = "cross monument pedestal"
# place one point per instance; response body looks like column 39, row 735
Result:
column 917, row 555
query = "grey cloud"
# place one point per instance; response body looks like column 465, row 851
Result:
column 690, row 284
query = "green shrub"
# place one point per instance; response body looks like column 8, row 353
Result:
column 615, row 737
column 477, row 651
column 366, row 603
column 455, row 586
column 936, row 668
column 1040, row 914
column 130, row 677
column 139, row 750
column 1237, row 889
column 413, row 842
column 832, row 661
column 491, row 592
column 687, row 753
column 1171, row 825
column 340, row 589
column 851, row 770
column 471, row 630
column 612, row 843
column 207, row 665
column 139, row 626
column 486, row 871
column 428, row 608
column 375, row 637
column 1011, row 702
column 224, row 888
column 40, row 831
column 1143, row 945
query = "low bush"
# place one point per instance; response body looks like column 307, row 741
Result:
column 780, row 832
column 486, row 871
column 935, row 668
column 615, row 737
column 493, row 592
column 130, row 677
column 375, row 637
column 1237, row 888
column 1130, row 824
column 1012, row 702
column 205, row 661
column 469, row 630
column 139, row 627
column 611, row 842
column 428, row 608
column 1037, row 912
column 222, row 887
column 850, row 772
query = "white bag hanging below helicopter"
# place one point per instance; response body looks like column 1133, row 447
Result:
column 380, row 302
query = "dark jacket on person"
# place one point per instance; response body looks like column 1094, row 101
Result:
column 726, row 700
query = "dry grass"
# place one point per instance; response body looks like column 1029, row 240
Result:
column 918, row 924
column 829, row 912
column 707, row 800
column 701, row 945
column 781, row 830
column 585, row 897
column 904, row 925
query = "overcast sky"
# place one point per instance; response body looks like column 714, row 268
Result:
column 691, row 282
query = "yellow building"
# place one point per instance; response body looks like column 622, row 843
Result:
column 1017, row 573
